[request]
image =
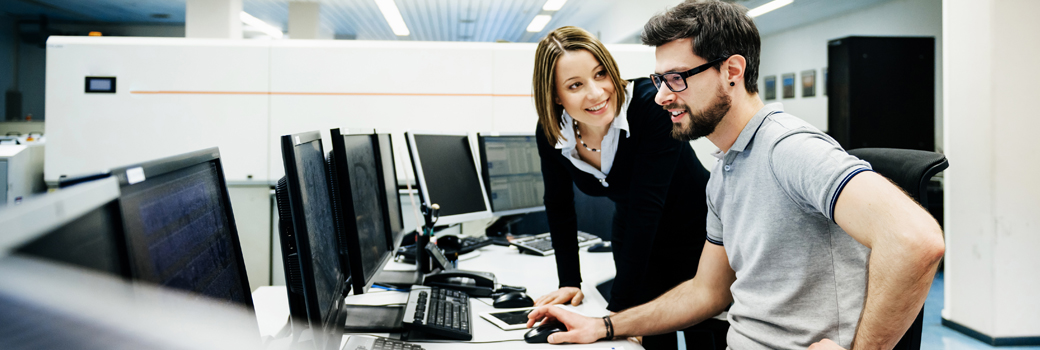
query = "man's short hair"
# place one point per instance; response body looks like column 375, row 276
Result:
column 718, row 29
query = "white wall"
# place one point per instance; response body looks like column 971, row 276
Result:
column 992, row 196
column 245, row 94
column 805, row 47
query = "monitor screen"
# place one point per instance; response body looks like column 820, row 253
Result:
column 305, row 210
column 364, row 228
column 512, row 172
column 447, row 176
column 179, row 227
column 388, row 171
column 93, row 241
column 78, row 225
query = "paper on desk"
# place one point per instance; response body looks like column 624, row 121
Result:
column 396, row 266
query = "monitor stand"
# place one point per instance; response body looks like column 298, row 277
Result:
column 371, row 318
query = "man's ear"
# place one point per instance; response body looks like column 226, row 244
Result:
column 734, row 68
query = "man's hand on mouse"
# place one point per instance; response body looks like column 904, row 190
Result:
column 580, row 329
column 563, row 295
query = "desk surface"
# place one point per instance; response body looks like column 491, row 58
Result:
column 536, row 273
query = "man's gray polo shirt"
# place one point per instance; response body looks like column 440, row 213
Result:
column 771, row 197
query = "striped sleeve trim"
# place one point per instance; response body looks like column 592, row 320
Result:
column 712, row 241
column 841, row 186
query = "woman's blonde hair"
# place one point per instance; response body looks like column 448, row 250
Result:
column 556, row 44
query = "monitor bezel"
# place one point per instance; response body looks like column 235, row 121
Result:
column 486, row 177
column 346, row 204
column 330, row 324
column 413, row 153
column 161, row 166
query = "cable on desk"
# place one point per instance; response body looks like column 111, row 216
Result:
column 389, row 288
column 482, row 300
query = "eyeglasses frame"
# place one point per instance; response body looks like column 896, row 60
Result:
column 660, row 77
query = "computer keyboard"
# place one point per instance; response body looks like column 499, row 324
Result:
column 440, row 312
column 360, row 342
column 542, row 244
column 470, row 244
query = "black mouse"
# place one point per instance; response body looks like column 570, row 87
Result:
column 601, row 247
column 513, row 300
column 449, row 243
column 541, row 333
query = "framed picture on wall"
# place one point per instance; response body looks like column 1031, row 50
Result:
column 788, row 83
column 770, row 87
column 809, row 83
column 824, row 86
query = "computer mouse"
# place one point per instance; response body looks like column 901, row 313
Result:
column 541, row 333
column 601, row 247
column 513, row 300
column 449, row 243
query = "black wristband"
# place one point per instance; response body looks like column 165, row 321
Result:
column 609, row 325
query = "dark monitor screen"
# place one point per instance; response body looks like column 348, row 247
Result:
column 80, row 226
column 308, row 217
column 512, row 172
column 362, row 206
column 179, row 227
column 93, row 241
column 448, row 176
column 388, row 170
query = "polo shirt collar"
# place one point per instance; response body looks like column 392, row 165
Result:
column 752, row 126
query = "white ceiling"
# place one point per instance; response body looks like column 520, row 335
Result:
column 428, row 20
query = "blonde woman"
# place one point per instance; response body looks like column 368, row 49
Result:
column 608, row 137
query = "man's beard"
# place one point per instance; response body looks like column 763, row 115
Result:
column 695, row 126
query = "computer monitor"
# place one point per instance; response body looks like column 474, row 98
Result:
column 447, row 174
column 316, row 282
column 46, row 305
column 180, row 230
column 79, row 226
column 314, row 277
column 512, row 173
column 359, row 203
column 388, row 174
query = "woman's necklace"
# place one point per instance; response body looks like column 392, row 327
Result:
column 578, row 134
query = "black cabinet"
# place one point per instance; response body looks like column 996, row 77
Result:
column 882, row 92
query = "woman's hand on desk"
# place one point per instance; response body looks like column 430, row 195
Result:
column 580, row 329
column 563, row 295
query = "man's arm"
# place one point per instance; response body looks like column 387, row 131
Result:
column 906, row 245
column 689, row 303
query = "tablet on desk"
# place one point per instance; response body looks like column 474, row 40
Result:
column 510, row 319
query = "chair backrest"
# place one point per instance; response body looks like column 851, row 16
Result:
column 911, row 170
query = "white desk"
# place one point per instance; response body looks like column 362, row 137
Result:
column 536, row 273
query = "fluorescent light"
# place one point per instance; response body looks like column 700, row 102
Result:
column 393, row 17
column 769, row 6
column 538, row 23
column 553, row 5
column 254, row 22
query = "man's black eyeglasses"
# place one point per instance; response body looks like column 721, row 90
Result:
column 676, row 81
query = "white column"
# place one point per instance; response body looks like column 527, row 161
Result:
column 305, row 20
column 992, row 197
column 213, row 19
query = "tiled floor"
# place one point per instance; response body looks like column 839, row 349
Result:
column 935, row 336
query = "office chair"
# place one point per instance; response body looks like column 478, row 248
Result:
column 911, row 170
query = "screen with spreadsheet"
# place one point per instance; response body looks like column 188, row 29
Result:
column 512, row 173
